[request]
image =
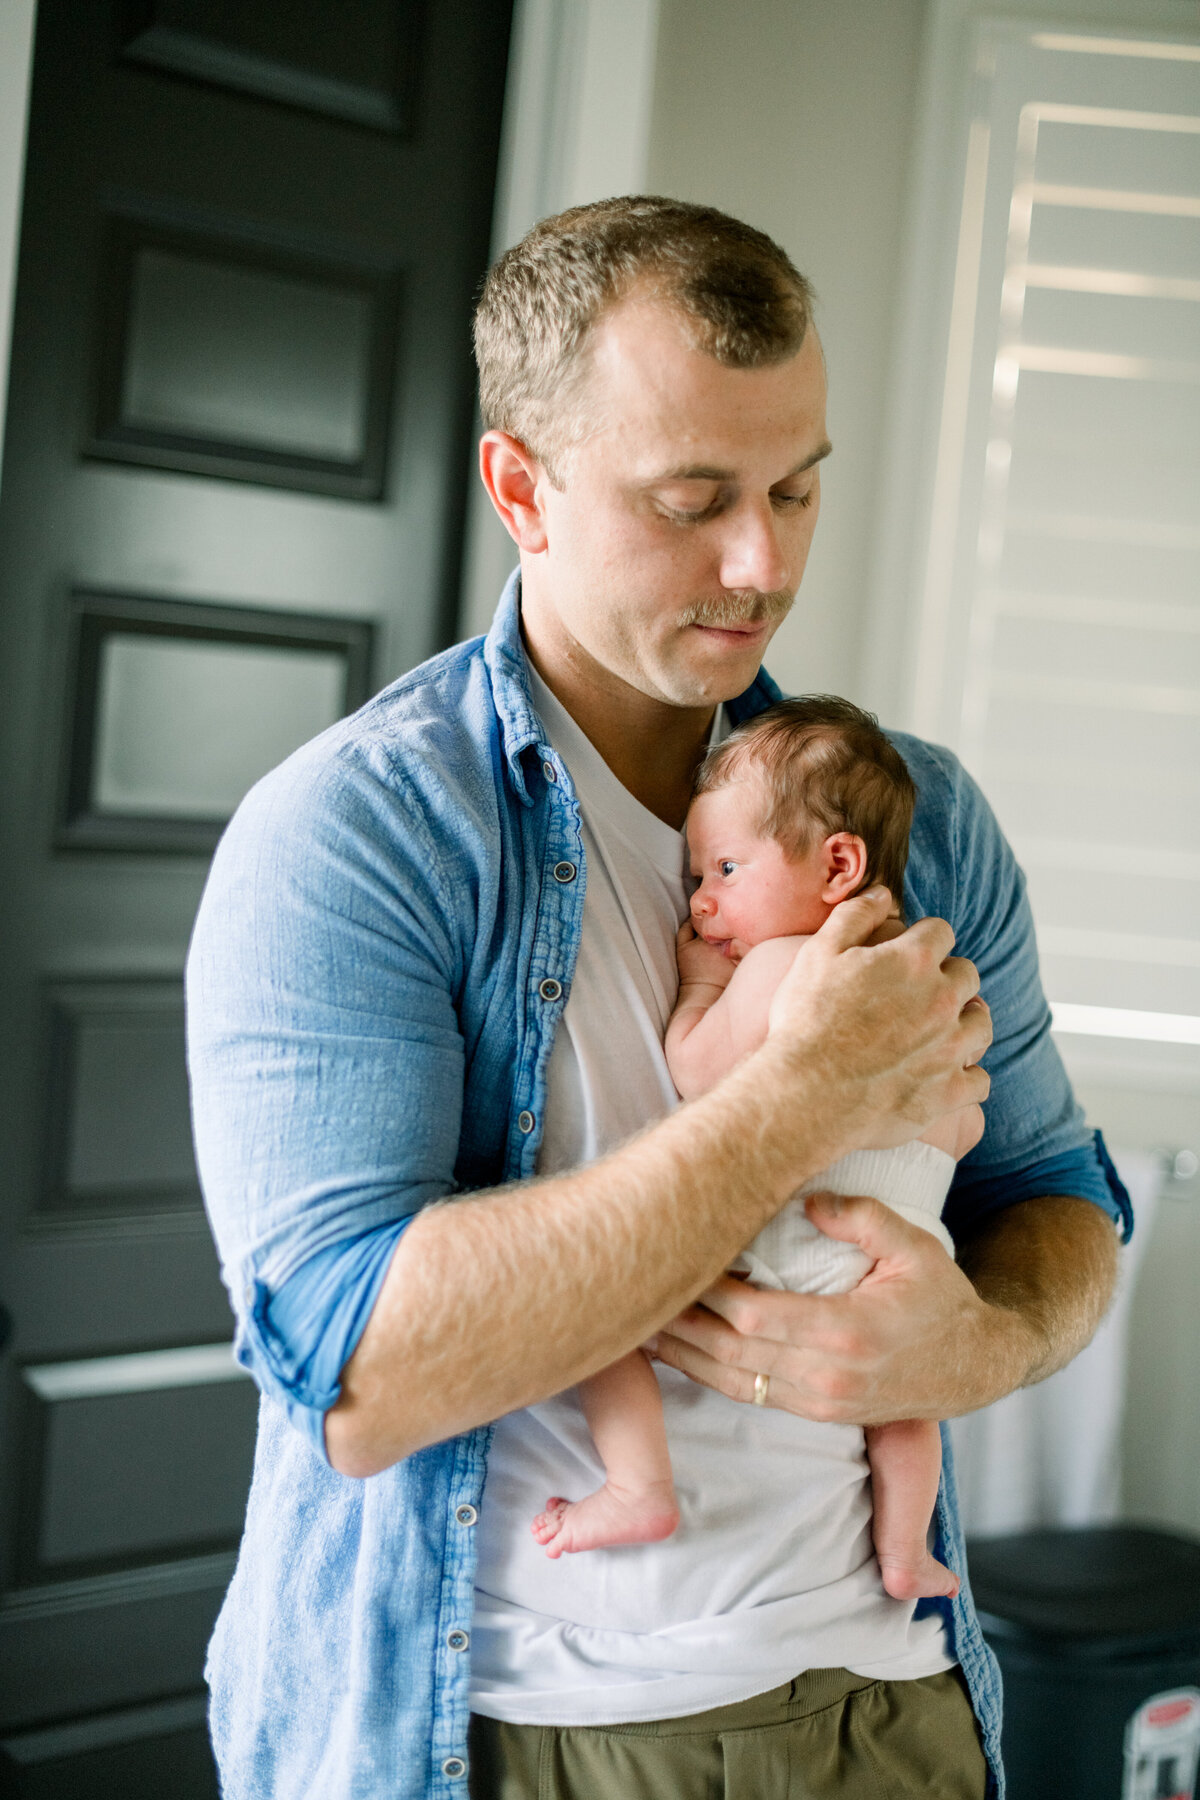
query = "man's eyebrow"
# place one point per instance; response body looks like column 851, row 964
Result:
column 709, row 472
column 818, row 455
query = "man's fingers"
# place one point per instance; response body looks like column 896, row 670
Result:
column 736, row 1323
column 854, row 921
column 935, row 937
column 857, row 1219
column 751, row 1312
column 975, row 1084
column 724, row 1378
column 734, row 1374
column 961, row 973
column 974, row 1030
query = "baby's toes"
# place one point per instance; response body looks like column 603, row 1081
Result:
column 548, row 1524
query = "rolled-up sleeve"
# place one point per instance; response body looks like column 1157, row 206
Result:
column 1036, row 1140
column 325, row 1057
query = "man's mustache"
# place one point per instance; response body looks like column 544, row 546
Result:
column 746, row 608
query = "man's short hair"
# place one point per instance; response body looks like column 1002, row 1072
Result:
column 826, row 766
column 745, row 302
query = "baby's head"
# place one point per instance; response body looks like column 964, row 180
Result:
column 798, row 809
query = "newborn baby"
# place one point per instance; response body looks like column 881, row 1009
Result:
column 796, row 811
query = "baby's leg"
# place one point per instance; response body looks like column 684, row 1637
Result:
column 637, row 1504
column 906, row 1461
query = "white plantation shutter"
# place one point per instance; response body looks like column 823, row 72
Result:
column 1059, row 632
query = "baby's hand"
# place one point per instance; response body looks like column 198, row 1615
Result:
column 699, row 961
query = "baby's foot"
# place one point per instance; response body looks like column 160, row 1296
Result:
column 922, row 1579
column 608, row 1517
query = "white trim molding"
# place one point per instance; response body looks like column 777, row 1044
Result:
column 16, row 62
column 577, row 112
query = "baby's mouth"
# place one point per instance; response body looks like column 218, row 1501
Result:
column 718, row 943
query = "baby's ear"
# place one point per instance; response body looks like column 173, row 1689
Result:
column 845, row 860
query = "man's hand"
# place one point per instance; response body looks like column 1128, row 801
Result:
column 916, row 1339
column 902, row 1019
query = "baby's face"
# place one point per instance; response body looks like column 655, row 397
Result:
column 749, row 890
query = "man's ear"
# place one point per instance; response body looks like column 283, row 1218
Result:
column 512, row 476
column 844, row 857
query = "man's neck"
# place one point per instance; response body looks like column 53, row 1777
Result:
column 652, row 748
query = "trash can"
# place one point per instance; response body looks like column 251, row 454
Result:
column 1097, row 1633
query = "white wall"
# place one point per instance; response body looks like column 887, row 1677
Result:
column 798, row 116
column 16, row 53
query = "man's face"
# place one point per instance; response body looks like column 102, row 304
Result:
column 675, row 548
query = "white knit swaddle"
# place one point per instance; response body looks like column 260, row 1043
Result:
column 789, row 1252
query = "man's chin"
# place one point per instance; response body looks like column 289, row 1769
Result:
column 726, row 658
column 724, row 679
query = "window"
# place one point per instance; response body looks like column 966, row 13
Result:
column 1058, row 608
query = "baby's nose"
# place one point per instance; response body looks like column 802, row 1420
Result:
column 702, row 904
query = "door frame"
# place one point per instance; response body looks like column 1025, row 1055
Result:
column 16, row 62
column 578, row 106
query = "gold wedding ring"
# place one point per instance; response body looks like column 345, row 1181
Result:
column 761, row 1384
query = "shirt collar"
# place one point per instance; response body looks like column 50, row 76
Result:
column 504, row 656
column 520, row 729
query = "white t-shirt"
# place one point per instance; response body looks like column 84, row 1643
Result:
column 771, row 1570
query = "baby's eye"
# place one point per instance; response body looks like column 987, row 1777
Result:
column 726, row 867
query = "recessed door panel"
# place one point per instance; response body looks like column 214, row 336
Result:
column 353, row 62
column 118, row 1132
column 144, row 1629
column 132, row 1459
column 160, row 747
column 226, row 353
column 245, row 356
column 177, row 709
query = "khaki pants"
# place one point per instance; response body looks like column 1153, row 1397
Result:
column 826, row 1734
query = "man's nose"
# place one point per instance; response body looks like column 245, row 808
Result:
column 752, row 555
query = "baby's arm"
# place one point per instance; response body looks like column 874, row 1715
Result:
column 722, row 1009
column 704, row 974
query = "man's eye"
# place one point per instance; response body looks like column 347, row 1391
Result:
column 690, row 515
column 792, row 500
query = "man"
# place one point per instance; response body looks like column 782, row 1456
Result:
column 435, row 959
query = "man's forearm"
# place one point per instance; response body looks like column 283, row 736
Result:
column 1049, row 1266
column 498, row 1300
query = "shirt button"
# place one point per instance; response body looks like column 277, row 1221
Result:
column 550, row 989
column 565, row 871
column 525, row 1122
column 549, row 771
column 466, row 1515
column 454, row 1767
column 248, row 1293
column 458, row 1640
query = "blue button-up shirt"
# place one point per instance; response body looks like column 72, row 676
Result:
column 369, row 1033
